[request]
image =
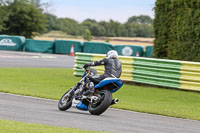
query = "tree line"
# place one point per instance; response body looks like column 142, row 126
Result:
column 28, row 18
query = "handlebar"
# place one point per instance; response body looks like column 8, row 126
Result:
column 85, row 69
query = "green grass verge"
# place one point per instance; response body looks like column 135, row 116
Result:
column 52, row 83
column 38, row 82
column 21, row 127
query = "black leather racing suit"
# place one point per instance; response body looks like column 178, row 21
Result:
column 112, row 69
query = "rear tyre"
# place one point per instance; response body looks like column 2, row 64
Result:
column 102, row 105
column 65, row 102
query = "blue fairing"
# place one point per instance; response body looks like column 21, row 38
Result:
column 82, row 106
column 118, row 84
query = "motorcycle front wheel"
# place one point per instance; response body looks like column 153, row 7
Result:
column 103, row 104
column 65, row 102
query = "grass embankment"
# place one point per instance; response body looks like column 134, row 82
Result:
column 20, row 127
column 52, row 83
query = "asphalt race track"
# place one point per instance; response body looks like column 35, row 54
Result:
column 24, row 59
column 44, row 111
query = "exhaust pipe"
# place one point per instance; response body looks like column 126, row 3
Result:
column 114, row 101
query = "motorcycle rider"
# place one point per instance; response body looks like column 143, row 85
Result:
column 113, row 69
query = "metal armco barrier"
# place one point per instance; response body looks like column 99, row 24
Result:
column 165, row 73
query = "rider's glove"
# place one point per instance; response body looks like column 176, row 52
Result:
column 85, row 66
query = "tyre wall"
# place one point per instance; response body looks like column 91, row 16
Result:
column 159, row 72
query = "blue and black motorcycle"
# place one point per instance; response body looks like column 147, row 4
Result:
column 96, row 102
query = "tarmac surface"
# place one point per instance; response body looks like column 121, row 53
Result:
column 24, row 59
column 44, row 111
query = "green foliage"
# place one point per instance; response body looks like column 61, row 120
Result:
column 3, row 14
column 24, row 19
column 116, row 29
column 36, row 3
column 142, row 19
column 27, row 18
column 87, row 35
column 69, row 26
column 139, row 30
column 52, row 22
column 95, row 28
column 177, row 29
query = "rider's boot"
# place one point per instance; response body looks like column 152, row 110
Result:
column 79, row 105
column 75, row 102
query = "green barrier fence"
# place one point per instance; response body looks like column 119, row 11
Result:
column 165, row 73
column 129, row 50
column 149, row 51
column 96, row 47
column 14, row 43
column 20, row 43
column 64, row 46
column 39, row 46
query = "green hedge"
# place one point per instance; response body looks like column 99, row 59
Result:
column 177, row 29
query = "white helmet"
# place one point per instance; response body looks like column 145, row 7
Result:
column 112, row 54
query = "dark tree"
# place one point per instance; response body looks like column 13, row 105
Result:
column 24, row 19
column 52, row 22
column 3, row 14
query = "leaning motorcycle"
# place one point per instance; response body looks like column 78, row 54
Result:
column 98, row 101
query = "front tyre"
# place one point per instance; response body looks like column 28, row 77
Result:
column 65, row 102
column 101, row 106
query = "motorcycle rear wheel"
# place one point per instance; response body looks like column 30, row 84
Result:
column 102, row 105
column 65, row 102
